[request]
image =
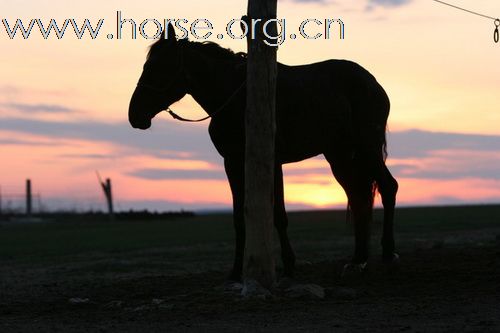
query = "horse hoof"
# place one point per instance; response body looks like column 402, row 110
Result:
column 233, row 286
column 353, row 269
column 391, row 262
column 392, row 259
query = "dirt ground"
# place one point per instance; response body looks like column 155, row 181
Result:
column 435, row 290
column 450, row 286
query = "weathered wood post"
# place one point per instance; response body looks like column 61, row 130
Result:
column 260, row 130
column 28, row 197
column 108, row 194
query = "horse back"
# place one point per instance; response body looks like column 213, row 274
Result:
column 326, row 105
column 319, row 107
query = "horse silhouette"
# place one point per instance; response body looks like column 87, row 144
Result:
column 335, row 108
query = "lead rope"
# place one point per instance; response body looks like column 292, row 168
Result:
column 177, row 117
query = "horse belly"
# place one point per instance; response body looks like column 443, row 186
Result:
column 302, row 133
column 297, row 143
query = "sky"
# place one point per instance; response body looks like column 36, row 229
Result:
column 64, row 103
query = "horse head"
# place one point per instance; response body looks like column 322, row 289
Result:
column 162, row 81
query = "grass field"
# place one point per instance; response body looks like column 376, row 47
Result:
column 164, row 275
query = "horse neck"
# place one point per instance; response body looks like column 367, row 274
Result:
column 211, row 82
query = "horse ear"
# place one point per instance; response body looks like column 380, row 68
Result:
column 170, row 34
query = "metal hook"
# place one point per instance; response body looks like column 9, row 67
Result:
column 495, row 33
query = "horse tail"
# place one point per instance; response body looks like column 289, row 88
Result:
column 374, row 157
column 381, row 155
column 372, row 140
column 384, row 145
column 378, row 152
column 384, row 115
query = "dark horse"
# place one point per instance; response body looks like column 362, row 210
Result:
column 335, row 108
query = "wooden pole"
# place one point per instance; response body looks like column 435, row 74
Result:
column 259, row 151
column 108, row 194
column 1, row 210
column 28, row 197
column 109, row 198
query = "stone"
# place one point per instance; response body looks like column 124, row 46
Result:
column 252, row 288
column 113, row 305
column 305, row 291
column 233, row 287
column 353, row 270
column 157, row 301
column 78, row 301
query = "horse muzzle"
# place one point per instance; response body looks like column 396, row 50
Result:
column 138, row 116
column 142, row 124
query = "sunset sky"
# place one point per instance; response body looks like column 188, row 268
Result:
column 64, row 103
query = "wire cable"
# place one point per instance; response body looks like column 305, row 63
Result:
column 466, row 10
column 496, row 21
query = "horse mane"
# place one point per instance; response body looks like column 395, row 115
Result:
column 218, row 52
column 207, row 47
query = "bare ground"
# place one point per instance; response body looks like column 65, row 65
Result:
column 449, row 288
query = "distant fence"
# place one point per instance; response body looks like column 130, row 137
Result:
column 30, row 203
column 16, row 204
column 12, row 203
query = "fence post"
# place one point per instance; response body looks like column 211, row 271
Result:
column 28, row 198
column 109, row 197
column 1, row 208
column 108, row 194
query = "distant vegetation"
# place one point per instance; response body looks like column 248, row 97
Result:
column 131, row 215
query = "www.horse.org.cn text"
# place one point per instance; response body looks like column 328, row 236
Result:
column 199, row 29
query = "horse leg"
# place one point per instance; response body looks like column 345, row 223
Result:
column 281, row 224
column 388, row 187
column 358, row 185
column 235, row 175
column 361, row 201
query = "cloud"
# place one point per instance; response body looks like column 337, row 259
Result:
column 439, row 155
column 415, row 153
column 447, row 169
column 165, row 140
column 388, row 3
column 22, row 142
column 86, row 156
column 366, row 6
column 164, row 174
column 9, row 90
column 372, row 4
column 37, row 108
column 419, row 143
column 313, row 1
